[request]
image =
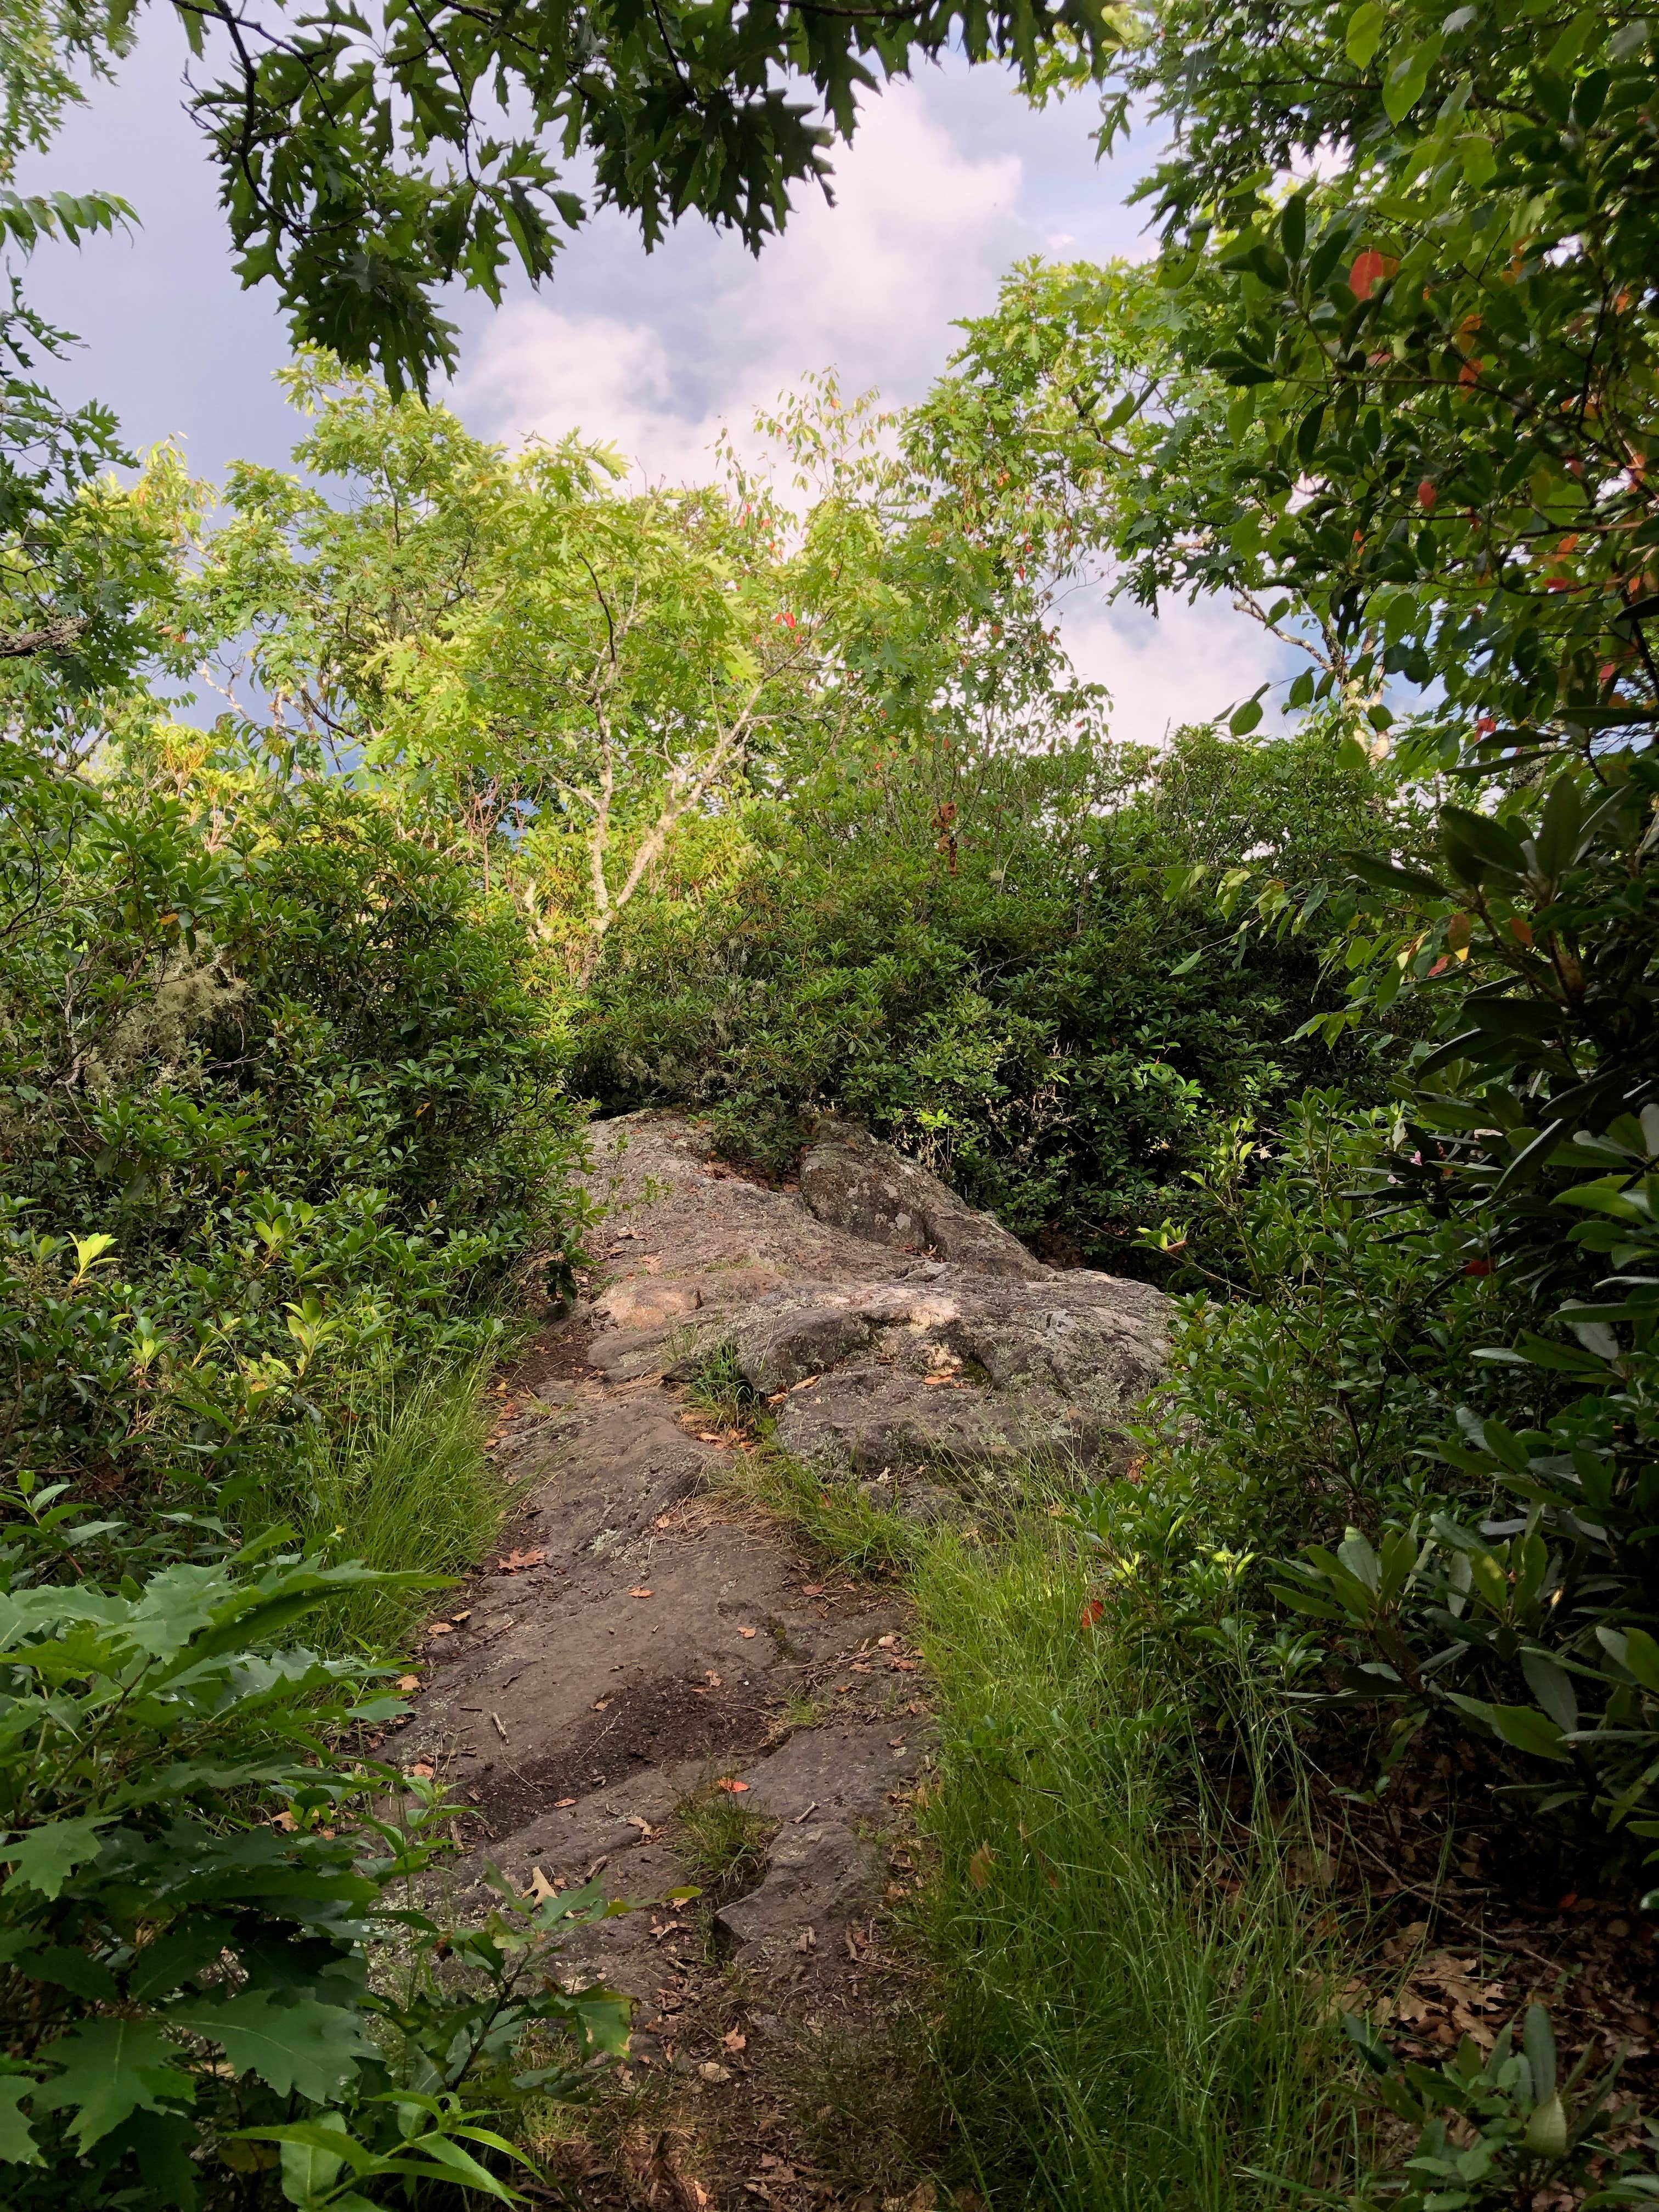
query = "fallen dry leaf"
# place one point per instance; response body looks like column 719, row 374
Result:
column 708, row 1437
column 807, row 1939
column 886, row 1642
column 641, row 1593
column 811, row 1590
column 540, row 1887
column 735, row 1788
column 735, row 2039
column 285, row 1820
column 713, row 1679
column 712, row 2070
column 515, row 1562
column 441, row 1628
column 895, row 1743
column 420, row 1771
column 562, row 1802
column 599, row 1704
column 408, row 1682
column 748, row 1634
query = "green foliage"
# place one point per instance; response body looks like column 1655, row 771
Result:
column 368, row 159
column 401, row 1475
column 1451, row 341
column 1548, row 1610
column 1483, row 1520
column 1404, row 411
column 1132, row 1993
column 281, row 1135
column 968, row 946
column 567, row 682
column 722, row 1842
column 1298, row 1385
column 1495, row 2132
column 274, row 1107
column 199, row 1885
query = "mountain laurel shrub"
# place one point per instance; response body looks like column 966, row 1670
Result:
column 275, row 1104
column 976, row 958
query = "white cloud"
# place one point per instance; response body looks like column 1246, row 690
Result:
column 541, row 373
column 920, row 233
column 948, row 182
column 1186, row 663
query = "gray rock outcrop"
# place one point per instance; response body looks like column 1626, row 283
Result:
column 876, row 1357
column 639, row 1637
column 853, row 1182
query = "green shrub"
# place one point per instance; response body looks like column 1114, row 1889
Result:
column 275, row 1103
column 1497, row 2130
column 210, row 1939
column 1010, row 999
column 1474, row 1501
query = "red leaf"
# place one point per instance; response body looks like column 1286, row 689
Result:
column 1369, row 270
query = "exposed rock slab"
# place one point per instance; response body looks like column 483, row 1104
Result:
column 878, row 1358
column 636, row 1639
column 853, row 1182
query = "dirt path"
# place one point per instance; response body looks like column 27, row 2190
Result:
column 651, row 1682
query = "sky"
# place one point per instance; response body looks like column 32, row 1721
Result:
column 951, row 180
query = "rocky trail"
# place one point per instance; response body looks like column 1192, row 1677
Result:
column 653, row 1683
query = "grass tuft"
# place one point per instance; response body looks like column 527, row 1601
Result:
column 1135, row 2000
column 720, row 1388
column 412, row 1484
column 721, row 1841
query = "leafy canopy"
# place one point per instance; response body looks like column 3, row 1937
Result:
column 368, row 156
